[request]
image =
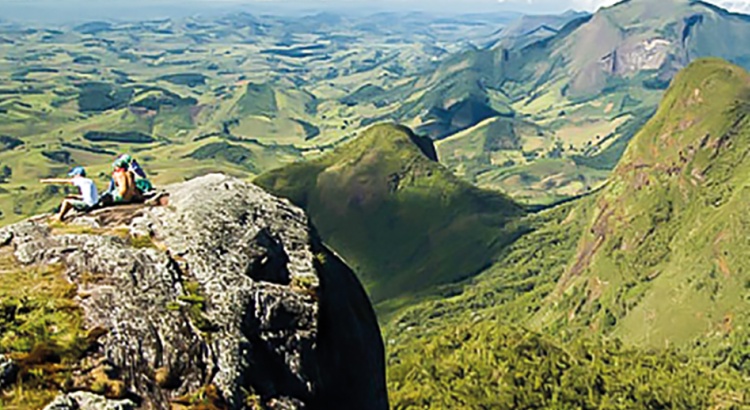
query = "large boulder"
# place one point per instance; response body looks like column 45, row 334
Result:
column 226, row 292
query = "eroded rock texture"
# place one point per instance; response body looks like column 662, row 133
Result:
column 226, row 290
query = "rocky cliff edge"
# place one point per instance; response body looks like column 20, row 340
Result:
column 224, row 298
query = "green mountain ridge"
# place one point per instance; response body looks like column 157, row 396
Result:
column 640, row 284
column 402, row 220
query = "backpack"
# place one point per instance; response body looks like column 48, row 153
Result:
column 143, row 185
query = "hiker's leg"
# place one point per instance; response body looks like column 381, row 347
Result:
column 105, row 200
column 65, row 207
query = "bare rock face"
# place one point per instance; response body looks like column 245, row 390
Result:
column 226, row 290
column 637, row 55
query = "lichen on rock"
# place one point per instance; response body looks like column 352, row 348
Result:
column 219, row 291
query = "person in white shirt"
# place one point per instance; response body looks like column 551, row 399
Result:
column 88, row 198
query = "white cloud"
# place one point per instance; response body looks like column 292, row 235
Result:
column 732, row 5
column 593, row 5
column 741, row 6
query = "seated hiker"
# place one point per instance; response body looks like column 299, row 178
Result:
column 141, row 181
column 125, row 191
column 88, row 198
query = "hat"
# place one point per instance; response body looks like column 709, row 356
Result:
column 77, row 172
column 121, row 163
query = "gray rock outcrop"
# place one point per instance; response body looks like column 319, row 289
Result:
column 88, row 401
column 636, row 55
column 227, row 289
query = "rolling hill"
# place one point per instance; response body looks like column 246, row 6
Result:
column 272, row 89
column 402, row 220
column 650, row 267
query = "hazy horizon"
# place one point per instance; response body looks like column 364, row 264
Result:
column 82, row 10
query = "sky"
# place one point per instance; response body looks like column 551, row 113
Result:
column 61, row 10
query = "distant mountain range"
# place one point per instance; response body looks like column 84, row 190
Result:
column 588, row 85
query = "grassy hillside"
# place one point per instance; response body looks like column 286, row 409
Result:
column 258, row 100
column 662, row 261
column 470, row 346
column 625, row 291
column 400, row 219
